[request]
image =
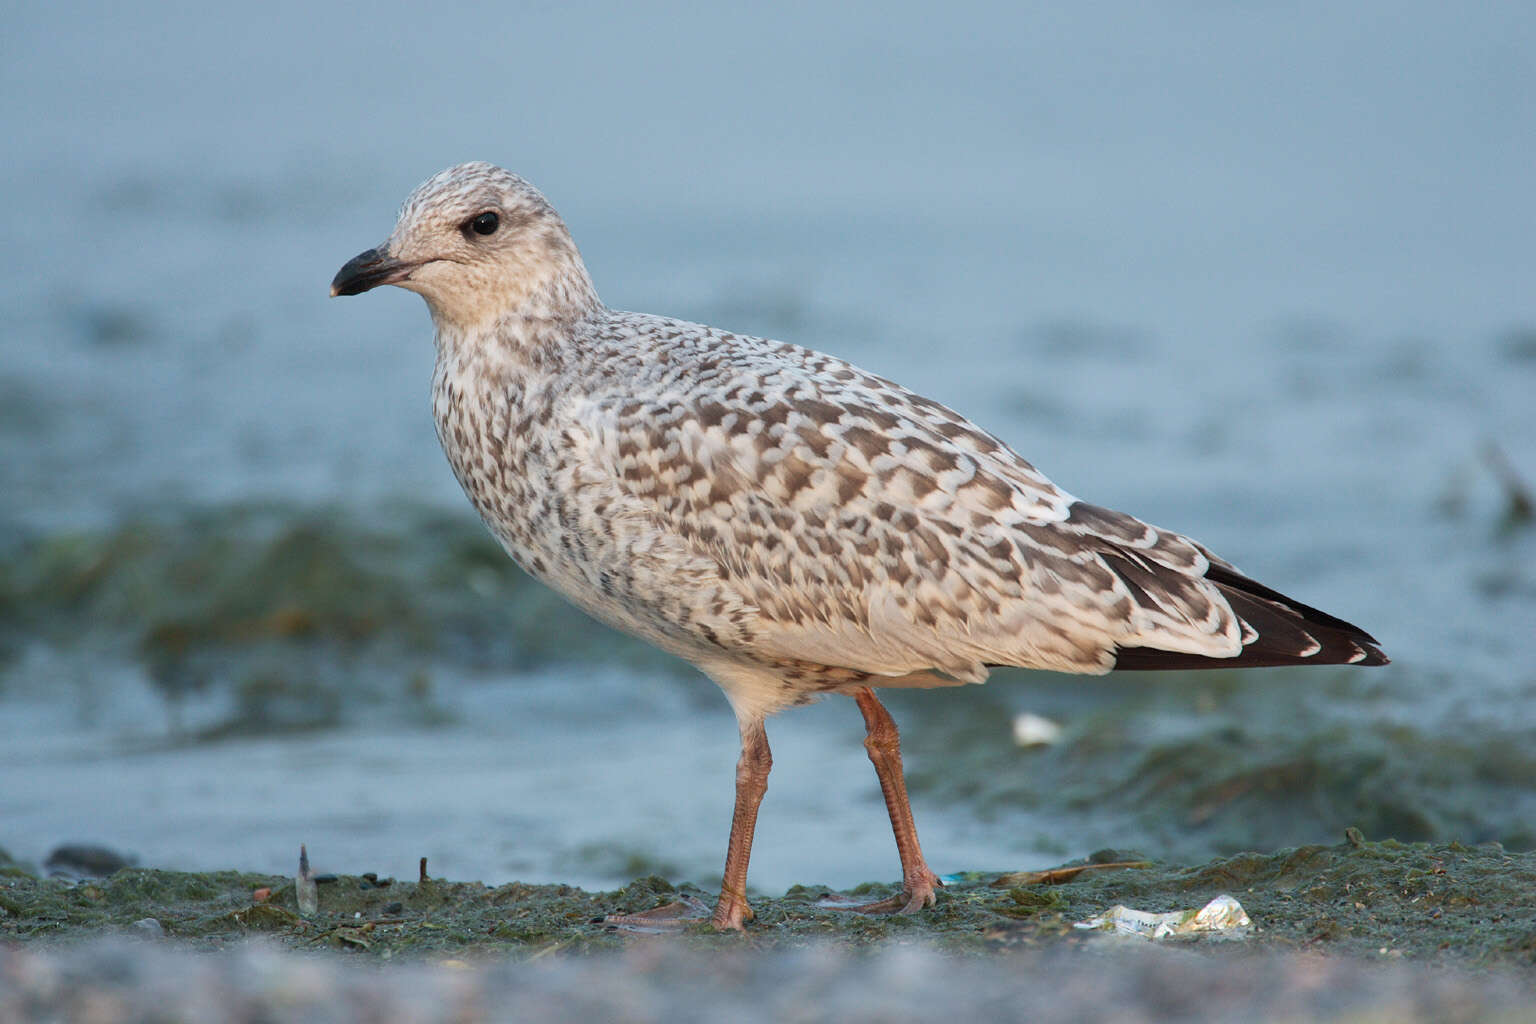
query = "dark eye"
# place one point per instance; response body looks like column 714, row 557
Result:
column 485, row 223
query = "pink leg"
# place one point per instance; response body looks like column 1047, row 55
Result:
column 884, row 745
column 732, row 911
column 751, row 783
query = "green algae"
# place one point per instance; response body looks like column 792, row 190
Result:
column 294, row 610
column 10, row 867
column 1217, row 762
column 1447, row 904
column 237, row 577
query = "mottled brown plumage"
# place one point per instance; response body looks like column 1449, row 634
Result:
column 787, row 522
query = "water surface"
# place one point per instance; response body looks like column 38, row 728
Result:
column 1261, row 276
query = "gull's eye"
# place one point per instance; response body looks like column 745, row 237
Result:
column 485, row 223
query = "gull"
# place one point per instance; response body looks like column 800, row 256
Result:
column 785, row 521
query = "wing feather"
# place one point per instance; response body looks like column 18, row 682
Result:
column 875, row 530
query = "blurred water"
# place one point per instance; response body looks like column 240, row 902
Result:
column 1261, row 274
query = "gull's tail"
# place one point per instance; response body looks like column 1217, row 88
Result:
column 1288, row 633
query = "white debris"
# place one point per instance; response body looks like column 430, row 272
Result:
column 1030, row 730
column 1223, row 915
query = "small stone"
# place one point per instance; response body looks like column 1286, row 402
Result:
column 86, row 860
column 148, row 927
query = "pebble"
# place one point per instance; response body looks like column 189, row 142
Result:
column 86, row 860
column 148, row 927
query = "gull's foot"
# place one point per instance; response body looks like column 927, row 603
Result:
column 675, row 916
column 916, row 894
column 729, row 914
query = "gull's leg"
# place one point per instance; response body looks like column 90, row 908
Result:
column 751, row 783
column 884, row 745
column 732, row 911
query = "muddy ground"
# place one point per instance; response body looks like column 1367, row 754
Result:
column 1444, row 904
column 1358, row 931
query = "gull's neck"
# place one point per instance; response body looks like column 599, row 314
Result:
column 536, row 320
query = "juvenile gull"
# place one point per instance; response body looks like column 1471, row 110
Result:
column 790, row 524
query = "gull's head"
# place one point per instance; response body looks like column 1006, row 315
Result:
column 479, row 244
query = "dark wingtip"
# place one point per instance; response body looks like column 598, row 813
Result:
column 1289, row 633
column 1373, row 656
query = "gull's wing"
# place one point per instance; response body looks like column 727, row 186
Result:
column 876, row 530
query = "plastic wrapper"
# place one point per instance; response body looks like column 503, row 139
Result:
column 1223, row 916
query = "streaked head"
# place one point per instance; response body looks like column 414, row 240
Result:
column 479, row 244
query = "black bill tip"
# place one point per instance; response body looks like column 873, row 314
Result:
column 368, row 270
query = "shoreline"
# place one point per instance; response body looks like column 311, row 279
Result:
column 1443, row 903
